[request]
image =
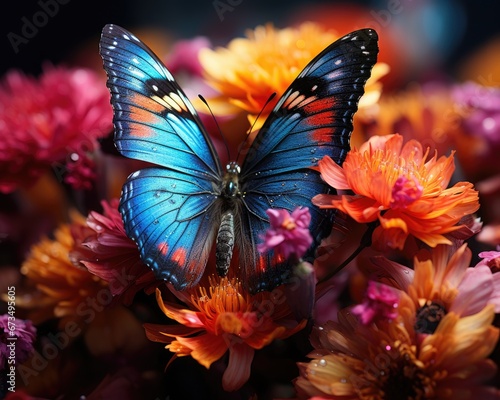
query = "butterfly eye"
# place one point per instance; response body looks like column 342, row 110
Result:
column 233, row 168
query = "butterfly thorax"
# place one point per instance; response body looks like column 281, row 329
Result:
column 230, row 191
column 230, row 181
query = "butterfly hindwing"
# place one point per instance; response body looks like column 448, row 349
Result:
column 173, row 217
column 171, row 213
column 312, row 119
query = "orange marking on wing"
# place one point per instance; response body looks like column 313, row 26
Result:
column 147, row 103
column 290, row 99
column 179, row 256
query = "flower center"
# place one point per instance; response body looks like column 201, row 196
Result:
column 394, row 375
column 428, row 317
column 406, row 379
column 405, row 191
column 288, row 224
column 229, row 323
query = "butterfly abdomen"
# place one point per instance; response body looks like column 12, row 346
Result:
column 224, row 244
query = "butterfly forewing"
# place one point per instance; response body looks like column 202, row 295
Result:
column 312, row 119
column 154, row 121
column 171, row 212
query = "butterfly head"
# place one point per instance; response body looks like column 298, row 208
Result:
column 230, row 182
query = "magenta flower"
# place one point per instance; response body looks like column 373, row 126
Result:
column 51, row 123
column 289, row 233
column 110, row 254
column 482, row 108
column 381, row 302
column 184, row 56
column 24, row 333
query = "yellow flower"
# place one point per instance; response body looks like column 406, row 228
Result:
column 250, row 69
column 61, row 286
column 223, row 317
column 400, row 188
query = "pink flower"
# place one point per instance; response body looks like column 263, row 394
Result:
column 18, row 332
column 381, row 302
column 184, row 56
column 443, row 276
column 490, row 259
column 45, row 122
column 111, row 255
column 289, row 233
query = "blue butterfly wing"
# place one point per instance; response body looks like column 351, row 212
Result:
column 172, row 212
column 312, row 119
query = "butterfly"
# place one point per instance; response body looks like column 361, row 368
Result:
column 176, row 210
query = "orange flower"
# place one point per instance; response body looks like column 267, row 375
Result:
column 384, row 360
column 224, row 317
column 250, row 69
column 400, row 188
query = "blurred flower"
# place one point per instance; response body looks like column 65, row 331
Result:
column 18, row 333
column 381, row 301
column 47, row 121
column 481, row 108
column 384, row 361
column 300, row 290
column 107, row 252
column 288, row 234
column 224, row 317
column 490, row 259
column 442, row 282
column 183, row 57
column 267, row 61
column 422, row 112
column 398, row 187
column 63, row 289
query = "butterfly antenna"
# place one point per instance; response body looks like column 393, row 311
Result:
column 250, row 130
column 216, row 124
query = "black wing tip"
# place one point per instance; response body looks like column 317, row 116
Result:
column 368, row 34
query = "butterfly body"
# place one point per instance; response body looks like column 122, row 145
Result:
column 178, row 210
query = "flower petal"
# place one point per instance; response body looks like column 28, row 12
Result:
column 206, row 348
column 332, row 173
column 238, row 369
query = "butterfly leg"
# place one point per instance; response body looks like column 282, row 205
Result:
column 224, row 244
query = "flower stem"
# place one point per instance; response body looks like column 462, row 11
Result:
column 366, row 241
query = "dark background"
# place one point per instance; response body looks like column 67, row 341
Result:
column 454, row 28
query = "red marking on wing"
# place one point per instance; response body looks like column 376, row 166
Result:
column 320, row 114
column 163, row 248
column 179, row 256
column 322, row 135
column 319, row 106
